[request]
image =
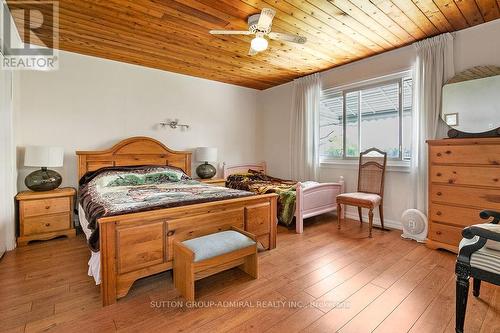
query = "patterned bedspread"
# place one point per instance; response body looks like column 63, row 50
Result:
column 260, row 183
column 121, row 190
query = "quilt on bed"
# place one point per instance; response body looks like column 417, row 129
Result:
column 260, row 183
column 120, row 190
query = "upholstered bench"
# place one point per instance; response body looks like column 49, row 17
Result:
column 200, row 257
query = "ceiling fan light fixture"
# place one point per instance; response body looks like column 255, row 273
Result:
column 260, row 25
column 259, row 43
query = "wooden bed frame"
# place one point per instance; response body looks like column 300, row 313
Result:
column 137, row 245
column 311, row 201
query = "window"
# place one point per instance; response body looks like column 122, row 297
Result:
column 361, row 116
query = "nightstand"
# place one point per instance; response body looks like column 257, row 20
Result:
column 214, row 181
column 45, row 215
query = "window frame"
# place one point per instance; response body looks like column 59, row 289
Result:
column 344, row 90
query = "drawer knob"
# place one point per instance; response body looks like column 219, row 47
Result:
column 438, row 213
column 439, row 193
column 448, row 152
column 171, row 232
column 47, row 207
column 438, row 154
column 47, row 224
column 439, row 174
column 438, row 232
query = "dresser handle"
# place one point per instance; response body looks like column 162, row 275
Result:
column 47, row 207
column 47, row 224
column 439, row 193
column 448, row 152
column 438, row 154
column 439, row 174
column 438, row 232
column 171, row 232
column 438, row 213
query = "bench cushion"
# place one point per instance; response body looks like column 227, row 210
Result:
column 359, row 199
column 214, row 245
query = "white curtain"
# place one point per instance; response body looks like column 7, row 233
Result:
column 8, row 171
column 304, row 134
column 434, row 66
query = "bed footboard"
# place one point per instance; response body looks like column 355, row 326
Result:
column 137, row 245
column 316, row 200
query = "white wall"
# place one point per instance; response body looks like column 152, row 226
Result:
column 479, row 45
column 8, row 172
column 92, row 103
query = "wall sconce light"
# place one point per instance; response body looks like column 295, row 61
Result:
column 173, row 124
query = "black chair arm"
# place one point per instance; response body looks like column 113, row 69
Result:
column 483, row 235
column 472, row 231
column 467, row 251
column 486, row 214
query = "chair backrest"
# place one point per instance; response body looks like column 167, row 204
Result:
column 372, row 164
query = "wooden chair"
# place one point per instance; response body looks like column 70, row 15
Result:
column 479, row 258
column 203, row 256
column 370, row 194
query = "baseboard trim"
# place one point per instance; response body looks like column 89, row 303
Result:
column 376, row 221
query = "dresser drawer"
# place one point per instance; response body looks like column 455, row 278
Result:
column 444, row 233
column 46, row 223
column 46, row 206
column 458, row 216
column 462, row 175
column 465, row 196
column 467, row 154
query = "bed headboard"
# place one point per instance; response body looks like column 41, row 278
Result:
column 242, row 168
column 139, row 150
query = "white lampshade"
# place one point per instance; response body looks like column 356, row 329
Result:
column 206, row 154
column 43, row 156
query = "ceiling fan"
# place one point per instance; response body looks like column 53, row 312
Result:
column 260, row 26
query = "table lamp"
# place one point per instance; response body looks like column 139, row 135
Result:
column 206, row 154
column 43, row 157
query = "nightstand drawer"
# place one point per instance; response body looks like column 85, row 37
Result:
column 214, row 181
column 46, row 206
column 46, row 223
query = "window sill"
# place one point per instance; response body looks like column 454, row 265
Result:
column 392, row 166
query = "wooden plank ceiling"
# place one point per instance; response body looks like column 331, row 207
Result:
column 173, row 35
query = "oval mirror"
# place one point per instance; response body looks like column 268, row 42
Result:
column 471, row 103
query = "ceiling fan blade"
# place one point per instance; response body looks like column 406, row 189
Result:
column 230, row 32
column 266, row 19
column 287, row 37
column 252, row 51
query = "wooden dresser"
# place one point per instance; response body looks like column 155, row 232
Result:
column 464, row 179
column 45, row 215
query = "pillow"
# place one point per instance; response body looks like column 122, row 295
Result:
column 134, row 179
column 134, row 175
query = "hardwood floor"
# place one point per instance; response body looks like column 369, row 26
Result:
column 323, row 280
